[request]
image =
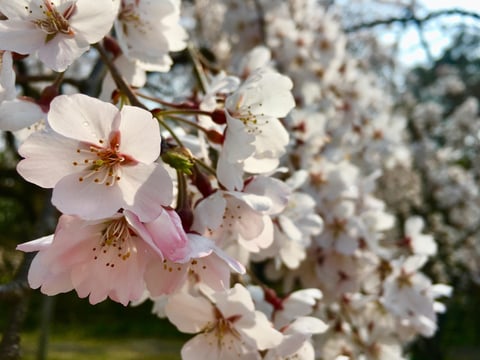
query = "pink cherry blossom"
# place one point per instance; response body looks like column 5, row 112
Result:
column 98, row 159
column 205, row 263
column 99, row 259
column 58, row 31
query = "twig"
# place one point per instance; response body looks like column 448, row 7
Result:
column 118, row 78
column 412, row 18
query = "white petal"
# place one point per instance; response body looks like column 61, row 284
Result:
column 82, row 117
column 15, row 9
column 48, row 158
column 188, row 313
column 145, row 189
column 86, row 199
column 20, row 36
column 18, row 114
column 229, row 174
column 140, row 134
column 7, row 77
column 36, row 245
column 60, row 52
column 94, row 21
column 271, row 188
column 208, row 213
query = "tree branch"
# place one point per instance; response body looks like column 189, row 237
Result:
column 412, row 18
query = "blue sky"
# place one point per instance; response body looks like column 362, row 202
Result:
column 437, row 37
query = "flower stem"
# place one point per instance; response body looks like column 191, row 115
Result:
column 199, row 72
column 117, row 77
column 185, row 112
column 163, row 123
column 187, row 122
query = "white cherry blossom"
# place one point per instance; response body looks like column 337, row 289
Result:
column 57, row 31
column 98, row 159
column 148, row 30
column 15, row 113
column 240, row 221
column 255, row 138
column 229, row 325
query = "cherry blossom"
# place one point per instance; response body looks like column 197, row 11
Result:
column 206, row 264
column 148, row 30
column 99, row 159
column 57, row 31
column 296, row 341
column 99, row 259
column 134, row 76
column 410, row 295
column 240, row 221
column 229, row 325
column 255, row 138
column 312, row 222
column 415, row 241
column 15, row 113
column 294, row 227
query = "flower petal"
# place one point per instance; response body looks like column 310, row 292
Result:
column 82, row 117
column 140, row 134
column 60, row 52
column 18, row 114
column 188, row 313
column 94, row 21
column 48, row 158
column 145, row 189
column 20, row 36
column 85, row 198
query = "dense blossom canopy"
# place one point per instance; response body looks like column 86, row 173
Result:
column 245, row 206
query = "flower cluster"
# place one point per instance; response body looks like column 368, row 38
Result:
column 256, row 179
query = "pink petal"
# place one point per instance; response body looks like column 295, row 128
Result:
column 142, row 231
column 165, row 277
column 168, row 234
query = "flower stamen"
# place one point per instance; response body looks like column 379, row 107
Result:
column 116, row 243
column 53, row 21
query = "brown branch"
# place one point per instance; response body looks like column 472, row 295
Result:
column 118, row 78
column 10, row 344
column 17, row 291
column 18, row 287
column 412, row 18
column 261, row 21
